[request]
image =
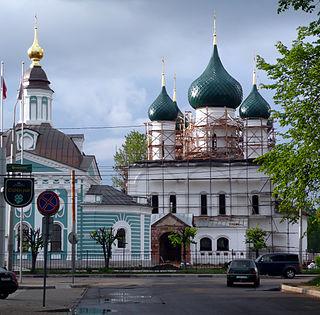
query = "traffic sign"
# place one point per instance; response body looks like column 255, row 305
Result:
column 72, row 238
column 19, row 168
column 49, row 225
column 48, row 203
column 18, row 192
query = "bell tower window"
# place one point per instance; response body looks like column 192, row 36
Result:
column 33, row 108
column 45, row 108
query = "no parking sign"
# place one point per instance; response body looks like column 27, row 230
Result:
column 48, row 203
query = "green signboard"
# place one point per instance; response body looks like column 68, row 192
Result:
column 19, row 168
column 18, row 192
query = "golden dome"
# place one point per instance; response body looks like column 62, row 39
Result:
column 35, row 52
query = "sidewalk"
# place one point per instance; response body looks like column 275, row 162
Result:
column 302, row 289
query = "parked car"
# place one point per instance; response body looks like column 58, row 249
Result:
column 8, row 283
column 279, row 264
column 243, row 270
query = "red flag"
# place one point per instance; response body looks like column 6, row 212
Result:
column 4, row 89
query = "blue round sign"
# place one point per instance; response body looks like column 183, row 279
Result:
column 48, row 203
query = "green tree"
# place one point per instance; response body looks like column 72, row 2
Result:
column 293, row 164
column 134, row 149
column 104, row 237
column 33, row 239
column 256, row 238
column 183, row 237
column 305, row 5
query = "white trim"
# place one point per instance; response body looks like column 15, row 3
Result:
column 126, row 226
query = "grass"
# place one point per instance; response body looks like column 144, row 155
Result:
column 314, row 282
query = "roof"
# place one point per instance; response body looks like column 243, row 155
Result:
column 163, row 108
column 36, row 78
column 53, row 144
column 215, row 87
column 111, row 196
column 254, row 106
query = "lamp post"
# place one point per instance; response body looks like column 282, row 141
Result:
column 11, row 208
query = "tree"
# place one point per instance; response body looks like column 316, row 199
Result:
column 305, row 5
column 184, row 237
column 33, row 239
column 105, row 238
column 293, row 164
column 134, row 149
column 257, row 238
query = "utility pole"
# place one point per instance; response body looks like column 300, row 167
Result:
column 2, row 206
column 73, row 244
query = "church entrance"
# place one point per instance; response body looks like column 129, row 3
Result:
column 168, row 253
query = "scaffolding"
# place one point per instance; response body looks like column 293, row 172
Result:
column 212, row 136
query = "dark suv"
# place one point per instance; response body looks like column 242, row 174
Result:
column 279, row 264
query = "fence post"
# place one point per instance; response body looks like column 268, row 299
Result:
column 87, row 257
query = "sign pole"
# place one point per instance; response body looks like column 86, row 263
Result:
column 73, row 244
column 45, row 260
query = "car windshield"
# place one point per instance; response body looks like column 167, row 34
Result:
column 2, row 269
column 242, row 264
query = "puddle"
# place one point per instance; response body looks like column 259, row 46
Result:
column 124, row 297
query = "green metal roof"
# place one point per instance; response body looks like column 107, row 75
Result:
column 215, row 87
column 254, row 106
column 163, row 108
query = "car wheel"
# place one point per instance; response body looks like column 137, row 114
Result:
column 3, row 296
column 229, row 283
column 289, row 273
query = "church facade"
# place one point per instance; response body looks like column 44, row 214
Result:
column 201, row 169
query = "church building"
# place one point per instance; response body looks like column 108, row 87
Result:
column 201, row 169
column 53, row 155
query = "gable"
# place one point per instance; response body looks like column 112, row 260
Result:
column 169, row 220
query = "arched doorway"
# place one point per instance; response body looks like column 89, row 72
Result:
column 168, row 253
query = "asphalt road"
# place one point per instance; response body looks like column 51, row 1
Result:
column 191, row 295
column 158, row 295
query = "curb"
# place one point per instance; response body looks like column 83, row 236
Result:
column 290, row 288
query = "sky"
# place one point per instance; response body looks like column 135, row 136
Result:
column 103, row 57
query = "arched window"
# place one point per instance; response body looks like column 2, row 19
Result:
column 25, row 243
column 56, row 236
column 33, row 108
column 173, row 203
column 255, row 204
column 222, row 244
column 214, row 141
column 155, row 203
column 121, row 236
column 222, row 204
column 206, row 244
column 45, row 108
column 204, row 209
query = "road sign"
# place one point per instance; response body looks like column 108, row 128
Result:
column 18, row 192
column 48, row 203
column 19, row 168
column 72, row 238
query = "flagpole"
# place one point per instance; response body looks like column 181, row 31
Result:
column 21, row 162
column 1, row 104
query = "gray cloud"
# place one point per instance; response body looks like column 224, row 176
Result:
column 103, row 57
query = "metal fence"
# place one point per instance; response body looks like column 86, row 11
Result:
column 134, row 260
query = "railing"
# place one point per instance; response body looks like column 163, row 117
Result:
column 88, row 260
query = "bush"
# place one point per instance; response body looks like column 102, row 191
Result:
column 317, row 261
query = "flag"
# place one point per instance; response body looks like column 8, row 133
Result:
column 20, row 94
column 4, row 89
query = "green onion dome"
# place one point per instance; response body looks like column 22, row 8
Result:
column 163, row 108
column 255, row 106
column 215, row 87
